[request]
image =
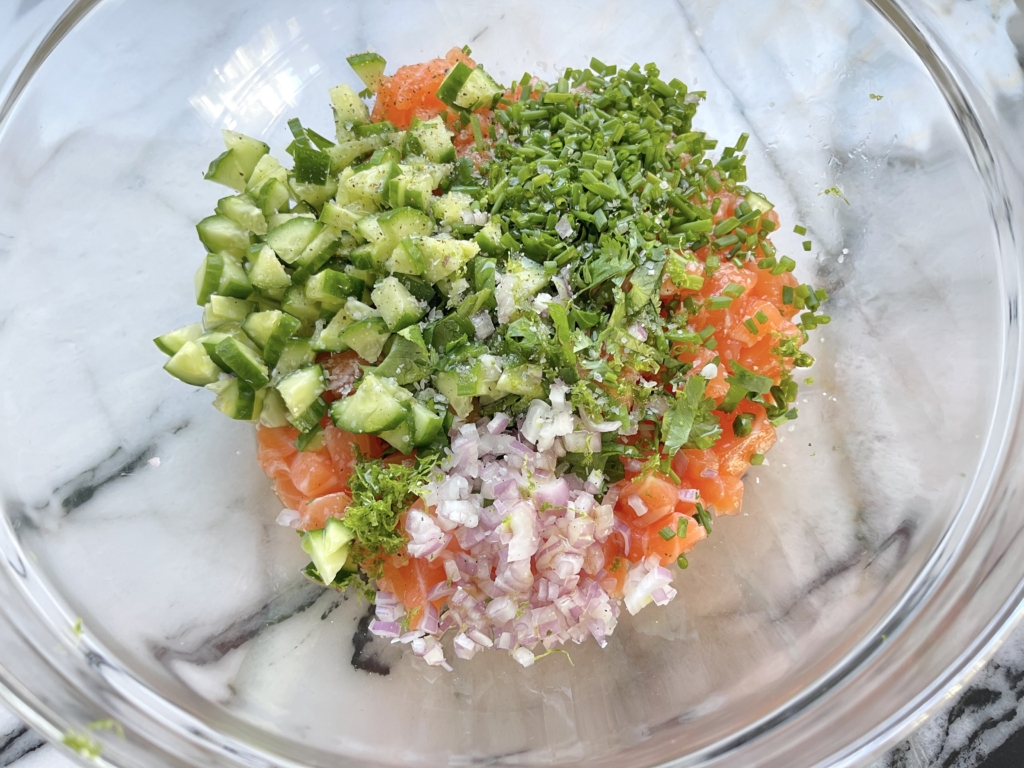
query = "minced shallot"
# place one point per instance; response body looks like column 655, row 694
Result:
column 531, row 574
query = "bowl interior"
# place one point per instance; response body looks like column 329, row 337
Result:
column 145, row 512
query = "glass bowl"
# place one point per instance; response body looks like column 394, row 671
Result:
column 878, row 559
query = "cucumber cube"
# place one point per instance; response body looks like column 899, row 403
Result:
column 442, row 257
column 266, row 169
column 227, row 169
column 376, row 406
column 396, row 305
column 235, row 398
column 267, row 274
column 169, row 343
column 432, row 140
column 221, row 310
column 244, row 361
column 297, row 353
column 192, row 365
column 292, row 237
column 366, row 337
column 349, row 109
column 248, row 151
column 370, row 68
column 219, row 233
column 333, row 288
column 243, row 211
column 328, row 548
column 300, row 389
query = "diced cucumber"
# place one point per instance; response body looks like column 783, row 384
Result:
column 296, row 303
column 227, row 169
column 273, row 413
column 328, row 548
column 290, row 239
column 267, row 274
column 243, row 211
column 449, row 207
column 220, row 310
column 481, row 378
column 297, row 353
column 447, row 383
column 301, row 388
column 266, row 169
column 432, row 139
column 192, row 365
column 369, row 184
column 220, row 273
column 315, row 255
column 469, row 89
column 400, row 223
column 342, row 218
column 211, row 339
column 276, row 220
column 328, row 339
column 406, row 258
column 438, row 172
column 489, row 238
column 170, row 342
column 407, row 361
column 272, row 197
column 366, row 337
column 376, row 406
column 312, row 441
column 419, row 428
column 345, row 153
column 396, row 305
column 270, row 331
column 244, row 361
column 310, row 418
column 526, row 380
column 333, row 288
column 441, row 257
column 349, row 109
column 426, row 424
column 207, row 278
column 219, row 233
column 368, row 229
column 315, row 195
column 410, row 188
column 370, row 68
column 758, row 202
column 235, row 398
column 248, row 151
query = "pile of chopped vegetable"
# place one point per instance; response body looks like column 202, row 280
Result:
column 509, row 349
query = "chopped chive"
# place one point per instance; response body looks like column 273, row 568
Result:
column 800, row 230
column 719, row 302
column 761, row 317
column 681, row 527
column 757, row 459
column 743, row 425
column 807, row 244
column 750, row 325
column 707, row 332
column 726, row 226
column 821, row 294
column 733, row 290
column 787, row 294
column 478, row 136
column 711, row 343
column 667, row 533
column 712, row 264
column 787, row 264
column 682, row 562
column 715, row 205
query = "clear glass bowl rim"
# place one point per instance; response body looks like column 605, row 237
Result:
column 57, row 684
